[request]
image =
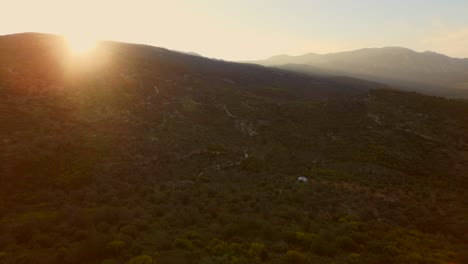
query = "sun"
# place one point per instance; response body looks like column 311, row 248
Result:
column 80, row 45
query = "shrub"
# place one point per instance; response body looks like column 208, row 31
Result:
column 258, row 251
column 232, row 230
column 295, row 257
column 183, row 243
column 323, row 247
column 217, row 247
column 142, row 259
column 347, row 244
column 302, row 239
column 354, row 258
column 110, row 261
column 193, row 235
column 235, row 249
column 279, row 247
column 115, row 246
column 299, row 236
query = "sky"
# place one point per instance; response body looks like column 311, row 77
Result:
column 250, row 29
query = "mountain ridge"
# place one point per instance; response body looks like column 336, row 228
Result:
column 429, row 72
column 355, row 50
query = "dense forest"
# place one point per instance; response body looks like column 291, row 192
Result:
column 145, row 155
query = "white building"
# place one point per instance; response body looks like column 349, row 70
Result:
column 302, row 179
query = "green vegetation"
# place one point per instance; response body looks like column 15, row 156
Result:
column 106, row 171
column 295, row 257
column 143, row 259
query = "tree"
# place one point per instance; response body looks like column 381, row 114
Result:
column 115, row 246
column 258, row 250
column 183, row 243
column 142, row 259
column 347, row 244
column 295, row 257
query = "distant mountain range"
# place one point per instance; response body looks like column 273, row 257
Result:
column 427, row 72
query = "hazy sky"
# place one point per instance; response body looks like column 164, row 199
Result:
column 251, row 29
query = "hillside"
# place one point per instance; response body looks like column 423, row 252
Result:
column 136, row 153
column 47, row 56
column 427, row 72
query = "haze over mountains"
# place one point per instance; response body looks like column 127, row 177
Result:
column 402, row 68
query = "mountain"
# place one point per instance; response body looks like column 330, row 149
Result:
column 134, row 153
column 427, row 72
column 48, row 55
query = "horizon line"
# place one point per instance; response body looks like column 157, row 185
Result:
column 250, row 60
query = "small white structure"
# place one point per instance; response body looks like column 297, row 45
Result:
column 302, row 179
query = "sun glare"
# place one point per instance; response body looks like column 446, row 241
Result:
column 81, row 45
